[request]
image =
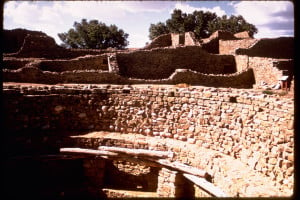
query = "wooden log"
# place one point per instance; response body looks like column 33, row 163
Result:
column 205, row 185
column 138, row 152
column 145, row 156
column 184, row 168
column 87, row 151
column 78, row 152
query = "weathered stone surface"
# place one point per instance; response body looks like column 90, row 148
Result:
column 264, row 148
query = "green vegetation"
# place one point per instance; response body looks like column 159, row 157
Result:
column 268, row 92
column 203, row 24
column 94, row 35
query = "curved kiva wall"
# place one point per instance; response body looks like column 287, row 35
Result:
column 218, row 129
column 161, row 63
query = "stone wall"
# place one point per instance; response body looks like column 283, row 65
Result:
column 14, row 39
column 174, row 184
column 23, row 43
column 229, row 46
column 211, row 44
column 45, row 47
column 161, row 63
column 32, row 74
column 268, row 70
column 190, row 39
column 243, row 35
column 13, row 63
column 248, row 126
column 173, row 40
column 96, row 62
column 160, row 41
column 282, row 47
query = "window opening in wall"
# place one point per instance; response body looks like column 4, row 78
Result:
column 104, row 61
column 232, row 100
column 181, row 39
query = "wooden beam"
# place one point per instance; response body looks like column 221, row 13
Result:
column 205, row 185
column 138, row 152
column 141, row 156
column 184, row 168
column 87, row 151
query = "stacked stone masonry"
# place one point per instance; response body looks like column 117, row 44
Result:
column 242, row 137
column 248, row 126
column 230, row 46
column 161, row 63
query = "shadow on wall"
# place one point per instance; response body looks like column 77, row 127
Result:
column 282, row 47
column 14, row 39
column 34, row 178
column 116, row 179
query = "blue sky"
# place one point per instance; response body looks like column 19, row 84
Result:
column 273, row 19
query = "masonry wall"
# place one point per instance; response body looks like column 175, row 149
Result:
column 282, row 47
column 161, row 63
column 14, row 64
column 268, row 70
column 229, row 46
column 96, row 62
column 248, row 126
column 33, row 44
column 160, row 41
column 14, row 39
column 190, row 39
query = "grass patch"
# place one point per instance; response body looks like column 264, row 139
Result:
column 269, row 92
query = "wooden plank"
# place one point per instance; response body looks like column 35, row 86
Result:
column 184, row 168
column 138, row 152
column 87, row 151
column 205, row 185
column 147, row 157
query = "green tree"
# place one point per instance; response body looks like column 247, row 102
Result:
column 157, row 29
column 233, row 24
column 94, row 35
column 203, row 24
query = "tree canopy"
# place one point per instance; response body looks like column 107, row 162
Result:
column 94, row 35
column 203, row 24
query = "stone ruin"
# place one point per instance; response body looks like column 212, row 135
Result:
column 222, row 60
column 177, row 118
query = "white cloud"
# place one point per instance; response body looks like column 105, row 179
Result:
column 145, row 6
column 270, row 17
column 184, row 7
column 58, row 16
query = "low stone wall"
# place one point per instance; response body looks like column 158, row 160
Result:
column 96, row 62
column 13, row 63
column 161, row 63
column 32, row 74
column 248, row 126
